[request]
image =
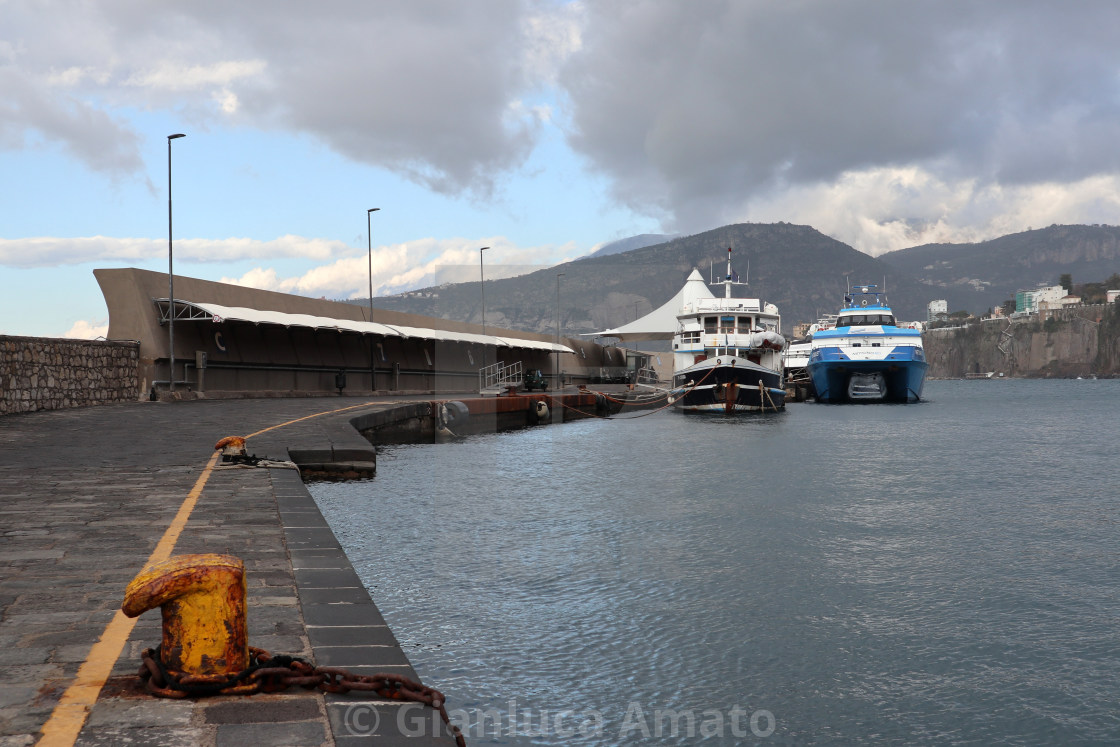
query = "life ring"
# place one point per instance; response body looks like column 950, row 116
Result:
column 454, row 414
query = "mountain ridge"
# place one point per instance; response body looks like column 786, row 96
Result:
column 796, row 267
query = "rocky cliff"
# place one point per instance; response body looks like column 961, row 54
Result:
column 1084, row 343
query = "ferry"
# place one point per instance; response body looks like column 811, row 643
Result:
column 867, row 356
column 727, row 352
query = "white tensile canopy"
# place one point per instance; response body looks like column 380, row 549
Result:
column 661, row 323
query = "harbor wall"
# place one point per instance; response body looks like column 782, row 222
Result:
column 1077, row 342
column 41, row 373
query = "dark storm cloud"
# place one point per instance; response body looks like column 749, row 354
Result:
column 422, row 87
column 693, row 108
column 425, row 87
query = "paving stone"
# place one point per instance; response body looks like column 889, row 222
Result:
column 335, row 595
column 78, row 523
column 369, row 635
column 116, row 736
column 342, row 614
column 141, row 713
column 253, row 710
column 291, row 734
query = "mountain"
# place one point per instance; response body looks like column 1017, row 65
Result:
column 630, row 243
column 799, row 269
column 978, row 276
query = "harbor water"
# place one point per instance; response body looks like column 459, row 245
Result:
column 939, row 572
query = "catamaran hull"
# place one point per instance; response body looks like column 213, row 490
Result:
column 724, row 388
column 849, row 380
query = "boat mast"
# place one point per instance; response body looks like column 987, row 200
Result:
column 727, row 282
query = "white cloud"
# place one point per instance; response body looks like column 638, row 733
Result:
column 49, row 251
column 694, row 109
column 423, row 89
column 881, row 210
column 415, row 264
column 85, row 330
column 166, row 75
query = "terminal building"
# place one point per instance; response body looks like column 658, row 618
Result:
column 232, row 339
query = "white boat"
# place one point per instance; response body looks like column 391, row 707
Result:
column 867, row 356
column 795, row 359
column 727, row 352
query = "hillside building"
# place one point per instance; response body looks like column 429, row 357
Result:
column 937, row 311
column 1030, row 301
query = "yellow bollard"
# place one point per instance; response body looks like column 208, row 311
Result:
column 202, row 598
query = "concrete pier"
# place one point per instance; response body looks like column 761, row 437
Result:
column 89, row 497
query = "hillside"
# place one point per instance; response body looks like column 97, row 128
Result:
column 797, row 268
column 981, row 275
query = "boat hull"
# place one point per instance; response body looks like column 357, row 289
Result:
column 838, row 378
column 720, row 387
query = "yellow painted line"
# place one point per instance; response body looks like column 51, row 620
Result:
column 309, row 417
column 68, row 717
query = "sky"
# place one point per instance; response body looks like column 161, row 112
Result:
column 541, row 129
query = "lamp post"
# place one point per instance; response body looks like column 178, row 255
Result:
column 556, row 358
column 482, row 288
column 170, row 272
column 369, row 244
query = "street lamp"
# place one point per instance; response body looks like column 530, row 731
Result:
column 170, row 271
column 482, row 287
column 556, row 358
column 369, row 244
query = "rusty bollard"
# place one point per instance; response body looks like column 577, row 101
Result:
column 202, row 598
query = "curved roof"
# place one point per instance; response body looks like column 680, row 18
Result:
column 198, row 311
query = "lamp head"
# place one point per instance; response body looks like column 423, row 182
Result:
column 172, row 137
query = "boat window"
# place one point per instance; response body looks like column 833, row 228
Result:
column 864, row 319
column 745, row 324
column 710, row 324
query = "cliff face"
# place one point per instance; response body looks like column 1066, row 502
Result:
column 1080, row 345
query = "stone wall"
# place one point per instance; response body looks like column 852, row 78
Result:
column 38, row 373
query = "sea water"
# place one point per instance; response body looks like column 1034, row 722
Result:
column 939, row 572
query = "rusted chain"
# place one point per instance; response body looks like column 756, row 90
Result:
column 267, row 673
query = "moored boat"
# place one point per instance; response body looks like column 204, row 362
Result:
column 727, row 352
column 867, row 356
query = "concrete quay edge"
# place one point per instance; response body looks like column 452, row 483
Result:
column 84, row 497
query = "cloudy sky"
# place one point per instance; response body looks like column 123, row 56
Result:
column 537, row 127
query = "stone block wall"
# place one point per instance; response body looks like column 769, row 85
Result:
column 38, row 373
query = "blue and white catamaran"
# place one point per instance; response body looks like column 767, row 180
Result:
column 867, row 357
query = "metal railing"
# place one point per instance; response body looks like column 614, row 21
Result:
column 499, row 376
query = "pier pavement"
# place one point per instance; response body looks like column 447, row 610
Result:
column 88, row 497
